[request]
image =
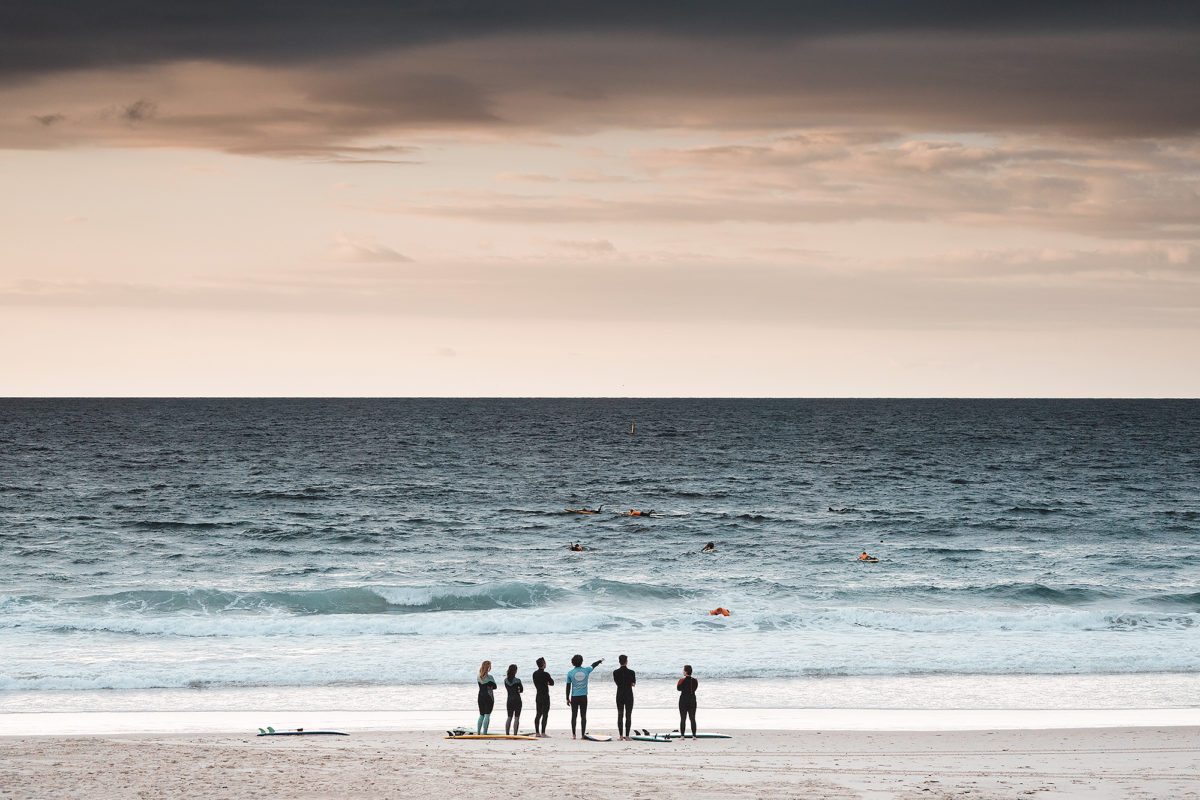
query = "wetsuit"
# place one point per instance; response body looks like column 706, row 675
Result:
column 542, row 683
column 687, row 702
column 577, row 685
column 514, row 687
column 486, row 702
column 625, row 678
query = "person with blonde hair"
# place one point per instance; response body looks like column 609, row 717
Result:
column 487, row 685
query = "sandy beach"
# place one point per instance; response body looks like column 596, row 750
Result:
column 1118, row 763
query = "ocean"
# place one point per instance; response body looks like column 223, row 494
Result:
column 227, row 554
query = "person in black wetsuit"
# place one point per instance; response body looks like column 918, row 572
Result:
column 487, row 685
column 687, row 699
column 625, row 678
column 542, row 683
column 514, row 687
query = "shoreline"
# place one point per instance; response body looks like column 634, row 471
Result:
column 601, row 719
column 1145, row 762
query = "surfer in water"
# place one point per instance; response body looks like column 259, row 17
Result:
column 541, row 683
column 626, row 679
column 487, row 685
column 709, row 548
column 577, row 687
column 514, row 687
column 686, row 687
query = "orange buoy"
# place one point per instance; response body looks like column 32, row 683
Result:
column 719, row 611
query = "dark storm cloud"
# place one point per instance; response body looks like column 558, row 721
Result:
column 250, row 78
column 138, row 111
column 37, row 37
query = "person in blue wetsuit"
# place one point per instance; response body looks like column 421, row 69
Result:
column 487, row 685
column 542, row 683
column 625, row 678
column 514, row 687
column 577, row 686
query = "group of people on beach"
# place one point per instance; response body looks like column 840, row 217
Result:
column 576, row 697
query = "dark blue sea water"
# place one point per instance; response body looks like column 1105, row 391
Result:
column 271, row 545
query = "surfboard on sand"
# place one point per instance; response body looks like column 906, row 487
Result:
column 520, row 737
column 674, row 735
column 274, row 732
column 594, row 737
column 655, row 738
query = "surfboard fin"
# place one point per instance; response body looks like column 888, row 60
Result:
column 260, row 730
column 270, row 729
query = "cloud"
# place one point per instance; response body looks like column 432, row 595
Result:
column 139, row 111
column 1136, row 285
column 365, row 251
column 595, row 247
column 1092, row 82
column 525, row 177
column 39, row 38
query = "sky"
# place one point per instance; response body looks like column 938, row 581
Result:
column 532, row 198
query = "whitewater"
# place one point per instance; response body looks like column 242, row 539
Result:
column 227, row 554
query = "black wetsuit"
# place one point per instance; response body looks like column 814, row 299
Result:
column 486, row 700
column 514, row 687
column 625, row 678
column 542, row 683
column 687, row 702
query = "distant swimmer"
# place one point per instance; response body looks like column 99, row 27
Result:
column 576, row 547
column 633, row 513
column 709, row 548
column 867, row 558
column 719, row 612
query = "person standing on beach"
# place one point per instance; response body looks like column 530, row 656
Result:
column 577, row 686
column 514, row 687
column 625, row 678
column 487, row 685
column 541, row 683
column 687, row 687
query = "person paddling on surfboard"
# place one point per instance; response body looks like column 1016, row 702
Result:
column 686, row 687
column 487, row 685
column 577, row 688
